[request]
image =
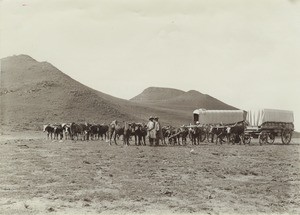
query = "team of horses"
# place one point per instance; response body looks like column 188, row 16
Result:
column 137, row 132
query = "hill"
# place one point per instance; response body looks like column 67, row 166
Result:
column 180, row 100
column 154, row 94
column 33, row 93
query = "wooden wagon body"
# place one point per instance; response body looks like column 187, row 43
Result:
column 267, row 124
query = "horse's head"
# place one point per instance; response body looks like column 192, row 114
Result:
column 192, row 130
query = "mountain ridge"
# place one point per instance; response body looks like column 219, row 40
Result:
column 157, row 93
column 33, row 93
column 188, row 100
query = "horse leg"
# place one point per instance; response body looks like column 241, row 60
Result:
column 115, row 138
column 221, row 138
column 110, row 137
column 136, row 142
column 240, row 139
column 126, row 139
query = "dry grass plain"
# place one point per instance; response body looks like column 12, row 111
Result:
column 40, row 176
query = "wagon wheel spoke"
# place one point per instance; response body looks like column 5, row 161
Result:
column 286, row 136
column 271, row 138
column 263, row 136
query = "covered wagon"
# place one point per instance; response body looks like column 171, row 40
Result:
column 266, row 124
column 220, row 122
column 215, row 117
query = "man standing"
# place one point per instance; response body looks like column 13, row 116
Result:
column 158, row 129
column 151, row 130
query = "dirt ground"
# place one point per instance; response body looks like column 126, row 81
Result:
column 40, row 176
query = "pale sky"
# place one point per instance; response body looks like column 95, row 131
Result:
column 243, row 52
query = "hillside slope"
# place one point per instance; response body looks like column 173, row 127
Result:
column 196, row 99
column 153, row 94
column 33, row 93
column 180, row 100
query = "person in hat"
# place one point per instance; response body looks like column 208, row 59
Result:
column 159, row 134
column 151, row 130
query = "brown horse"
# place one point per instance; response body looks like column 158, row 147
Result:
column 139, row 131
column 235, row 132
column 49, row 129
column 128, row 130
column 79, row 130
column 218, row 131
column 102, row 131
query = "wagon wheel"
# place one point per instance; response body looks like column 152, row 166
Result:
column 247, row 139
column 202, row 136
column 263, row 137
column 286, row 136
column 271, row 138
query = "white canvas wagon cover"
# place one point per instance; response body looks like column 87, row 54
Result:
column 219, row 116
column 259, row 116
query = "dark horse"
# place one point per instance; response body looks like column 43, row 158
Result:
column 49, row 129
column 218, row 131
column 58, row 132
column 236, row 132
column 197, row 134
column 139, row 131
column 128, row 130
column 194, row 134
column 77, row 130
column 102, row 131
